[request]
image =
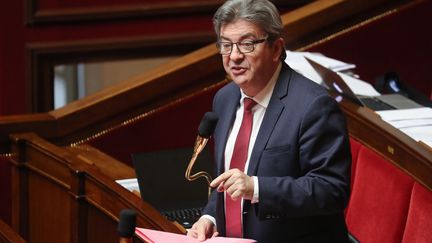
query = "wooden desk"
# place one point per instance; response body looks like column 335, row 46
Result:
column 60, row 197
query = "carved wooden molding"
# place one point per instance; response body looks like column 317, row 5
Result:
column 89, row 11
column 122, row 10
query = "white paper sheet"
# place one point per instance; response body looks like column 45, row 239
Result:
column 358, row 86
column 130, row 184
column 406, row 114
column 331, row 63
column 297, row 62
column 411, row 123
column 423, row 133
column 416, row 123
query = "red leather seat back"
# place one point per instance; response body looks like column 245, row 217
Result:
column 418, row 228
column 379, row 202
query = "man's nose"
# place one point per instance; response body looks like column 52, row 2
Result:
column 236, row 54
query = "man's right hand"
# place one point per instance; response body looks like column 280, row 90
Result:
column 203, row 229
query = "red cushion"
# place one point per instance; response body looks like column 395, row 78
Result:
column 419, row 227
column 379, row 201
column 355, row 148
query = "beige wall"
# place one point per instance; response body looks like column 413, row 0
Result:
column 102, row 75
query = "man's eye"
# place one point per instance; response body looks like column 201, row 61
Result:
column 225, row 45
column 246, row 44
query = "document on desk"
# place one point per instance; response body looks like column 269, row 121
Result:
column 423, row 134
column 358, row 86
column 406, row 114
column 333, row 64
column 155, row 236
column 416, row 123
column 296, row 60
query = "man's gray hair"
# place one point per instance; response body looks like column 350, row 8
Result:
column 260, row 12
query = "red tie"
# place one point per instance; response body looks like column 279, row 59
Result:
column 238, row 160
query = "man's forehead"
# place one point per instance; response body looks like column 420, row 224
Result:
column 240, row 29
column 239, row 36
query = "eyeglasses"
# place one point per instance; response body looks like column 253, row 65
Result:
column 225, row 47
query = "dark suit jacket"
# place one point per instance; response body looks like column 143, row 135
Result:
column 302, row 159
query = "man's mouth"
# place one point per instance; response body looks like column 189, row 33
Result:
column 238, row 70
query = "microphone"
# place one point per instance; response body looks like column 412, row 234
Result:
column 205, row 130
column 207, row 125
column 126, row 225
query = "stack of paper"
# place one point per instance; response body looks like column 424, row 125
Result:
column 297, row 61
column 358, row 86
column 416, row 123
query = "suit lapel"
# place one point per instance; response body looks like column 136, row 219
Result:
column 227, row 109
column 270, row 119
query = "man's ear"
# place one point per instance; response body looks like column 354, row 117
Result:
column 278, row 47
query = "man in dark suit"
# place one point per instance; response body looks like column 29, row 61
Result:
column 281, row 146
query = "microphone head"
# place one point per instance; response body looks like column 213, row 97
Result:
column 127, row 223
column 208, row 124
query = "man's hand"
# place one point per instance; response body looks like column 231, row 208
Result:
column 236, row 183
column 203, row 229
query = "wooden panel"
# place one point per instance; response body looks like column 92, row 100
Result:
column 103, row 227
column 49, row 211
column 49, row 166
column 41, row 192
column 51, row 11
column 8, row 235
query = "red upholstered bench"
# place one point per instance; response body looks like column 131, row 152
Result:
column 419, row 227
column 386, row 204
column 355, row 148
